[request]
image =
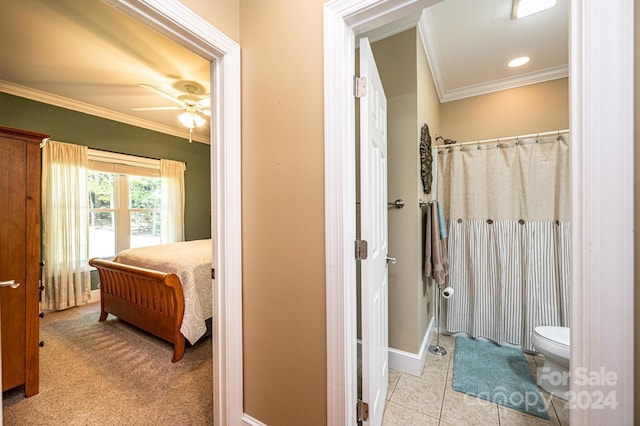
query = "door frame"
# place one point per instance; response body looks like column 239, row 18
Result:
column 600, row 257
column 182, row 25
column 343, row 19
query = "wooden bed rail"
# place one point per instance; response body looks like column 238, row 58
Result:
column 147, row 299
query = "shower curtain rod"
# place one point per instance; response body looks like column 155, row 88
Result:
column 498, row 140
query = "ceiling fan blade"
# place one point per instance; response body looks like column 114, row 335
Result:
column 162, row 93
column 205, row 102
column 206, row 111
column 165, row 108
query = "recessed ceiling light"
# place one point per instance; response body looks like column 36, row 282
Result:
column 522, row 8
column 518, row 61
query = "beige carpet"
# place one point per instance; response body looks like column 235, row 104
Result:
column 111, row 373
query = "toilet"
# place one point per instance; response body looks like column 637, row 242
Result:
column 553, row 343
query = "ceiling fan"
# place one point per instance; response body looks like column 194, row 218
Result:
column 194, row 101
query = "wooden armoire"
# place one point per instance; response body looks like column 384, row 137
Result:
column 20, row 257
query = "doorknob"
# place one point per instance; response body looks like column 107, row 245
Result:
column 10, row 283
column 391, row 260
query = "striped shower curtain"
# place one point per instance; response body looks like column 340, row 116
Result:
column 508, row 207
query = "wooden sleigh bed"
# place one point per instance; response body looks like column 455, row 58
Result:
column 148, row 299
column 171, row 299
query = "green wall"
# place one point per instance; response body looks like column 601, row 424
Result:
column 83, row 129
column 74, row 127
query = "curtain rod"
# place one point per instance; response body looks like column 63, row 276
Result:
column 498, row 140
column 45, row 140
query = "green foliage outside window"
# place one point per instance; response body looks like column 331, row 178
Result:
column 101, row 190
column 144, row 194
column 101, row 196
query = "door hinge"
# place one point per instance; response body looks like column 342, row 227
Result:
column 359, row 87
column 362, row 411
column 213, row 274
column 361, row 250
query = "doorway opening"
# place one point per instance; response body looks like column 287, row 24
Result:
column 177, row 23
column 344, row 20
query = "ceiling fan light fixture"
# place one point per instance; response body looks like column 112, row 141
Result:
column 187, row 120
column 199, row 120
column 522, row 8
column 195, row 106
column 191, row 119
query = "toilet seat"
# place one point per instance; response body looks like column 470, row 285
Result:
column 552, row 341
column 558, row 335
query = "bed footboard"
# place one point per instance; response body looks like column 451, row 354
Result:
column 147, row 299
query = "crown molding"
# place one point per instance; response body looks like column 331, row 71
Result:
column 425, row 29
column 63, row 102
column 541, row 76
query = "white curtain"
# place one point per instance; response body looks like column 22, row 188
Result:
column 508, row 211
column 65, row 226
column 172, row 174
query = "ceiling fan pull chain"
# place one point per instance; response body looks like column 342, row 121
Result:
column 190, row 132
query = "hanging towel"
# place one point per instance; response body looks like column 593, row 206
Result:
column 427, row 244
column 436, row 262
column 443, row 228
column 439, row 261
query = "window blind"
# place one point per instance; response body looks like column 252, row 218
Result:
column 110, row 162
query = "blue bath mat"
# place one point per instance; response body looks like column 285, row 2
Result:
column 498, row 374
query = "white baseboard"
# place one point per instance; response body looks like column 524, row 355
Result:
column 408, row 362
column 250, row 421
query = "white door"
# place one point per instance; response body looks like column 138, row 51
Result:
column 373, row 217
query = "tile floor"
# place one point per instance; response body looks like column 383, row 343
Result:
column 431, row 400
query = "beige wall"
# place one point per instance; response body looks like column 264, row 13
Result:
column 411, row 101
column 396, row 61
column 222, row 14
column 428, row 112
column 529, row 109
column 285, row 351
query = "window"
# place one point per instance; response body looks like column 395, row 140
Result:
column 125, row 195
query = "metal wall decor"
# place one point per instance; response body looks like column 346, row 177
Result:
column 426, row 159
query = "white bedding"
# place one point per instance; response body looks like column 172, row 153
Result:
column 191, row 261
